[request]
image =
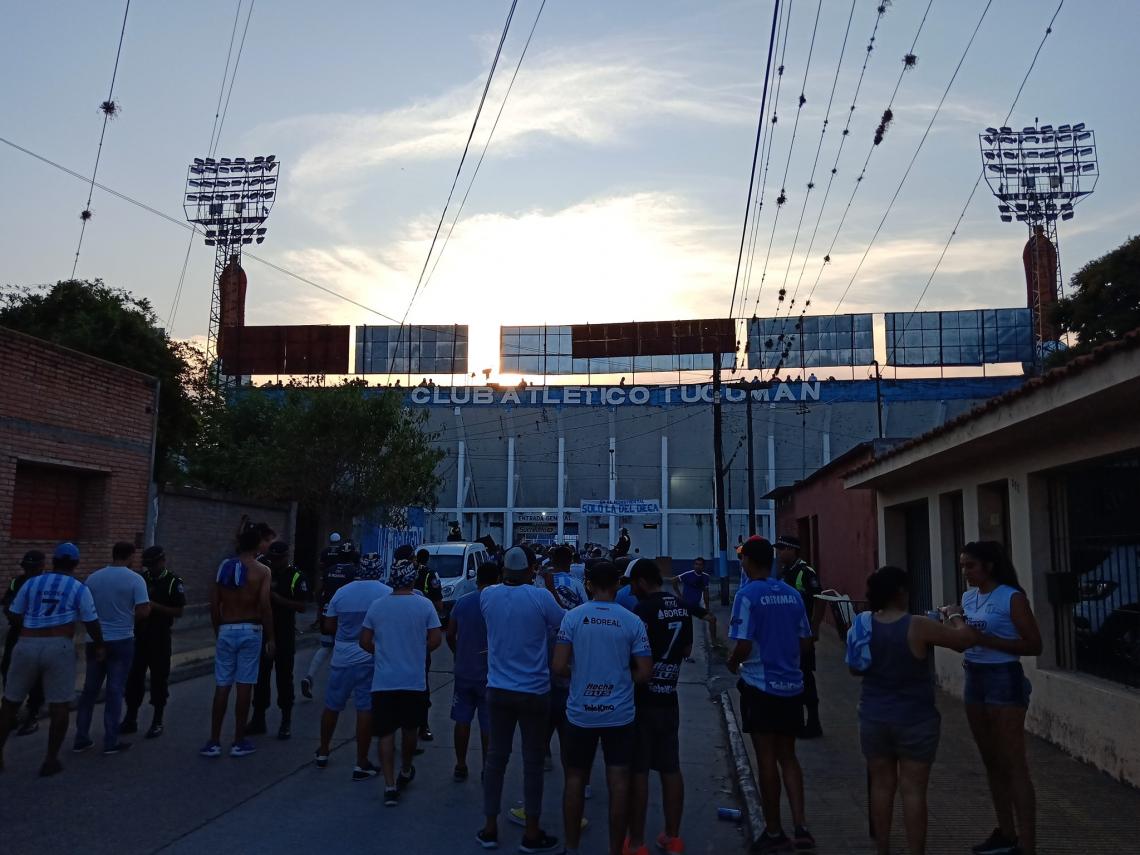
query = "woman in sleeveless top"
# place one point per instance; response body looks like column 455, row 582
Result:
column 997, row 692
column 898, row 721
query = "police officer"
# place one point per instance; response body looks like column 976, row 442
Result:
column 32, row 564
column 428, row 584
column 288, row 595
column 802, row 576
column 152, row 641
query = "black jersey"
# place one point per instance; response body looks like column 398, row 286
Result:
column 669, row 625
column 333, row 578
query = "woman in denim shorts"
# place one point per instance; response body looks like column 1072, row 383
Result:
column 898, row 721
column 997, row 691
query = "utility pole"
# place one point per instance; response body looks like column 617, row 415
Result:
column 748, row 387
column 879, row 395
column 718, row 466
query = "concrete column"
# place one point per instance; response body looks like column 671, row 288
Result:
column 509, row 516
column 663, row 531
column 460, row 480
column 561, row 488
column 613, row 477
column 825, row 437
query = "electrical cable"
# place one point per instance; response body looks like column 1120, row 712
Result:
column 109, row 108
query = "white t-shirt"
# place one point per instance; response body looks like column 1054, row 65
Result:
column 400, row 625
column 117, row 590
column 349, row 605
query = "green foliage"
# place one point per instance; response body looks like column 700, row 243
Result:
column 1104, row 302
column 344, row 450
column 114, row 325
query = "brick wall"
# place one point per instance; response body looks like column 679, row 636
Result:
column 61, row 408
column 197, row 529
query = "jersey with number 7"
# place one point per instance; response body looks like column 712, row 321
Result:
column 670, row 629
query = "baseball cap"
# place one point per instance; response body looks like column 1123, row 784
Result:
column 787, row 540
column 517, row 560
column 32, row 558
column 67, row 550
column 152, row 554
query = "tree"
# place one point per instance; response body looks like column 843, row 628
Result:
column 344, row 451
column 112, row 324
column 1104, row 303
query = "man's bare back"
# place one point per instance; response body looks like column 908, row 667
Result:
column 250, row 603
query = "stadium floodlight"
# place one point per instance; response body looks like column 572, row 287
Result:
column 232, row 211
column 1037, row 175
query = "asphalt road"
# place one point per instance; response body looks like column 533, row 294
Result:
column 162, row 797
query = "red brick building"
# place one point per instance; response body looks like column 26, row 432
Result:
column 76, row 450
column 837, row 527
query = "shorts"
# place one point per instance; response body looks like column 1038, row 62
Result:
column 580, row 744
column 761, row 712
column 917, row 742
column 237, row 657
column 559, row 697
column 397, row 710
column 469, row 699
column 1001, row 684
column 52, row 658
column 345, row 680
column 655, row 740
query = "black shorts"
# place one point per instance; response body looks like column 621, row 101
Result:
column 761, row 712
column 580, row 744
column 655, row 741
column 398, row 710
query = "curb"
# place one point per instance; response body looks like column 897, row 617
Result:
column 744, row 779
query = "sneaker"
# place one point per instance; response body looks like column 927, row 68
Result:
column 672, row 845
column 118, row 748
column 155, row 730
column 50, row 767
column 307, row 687
column 256, row 726
column 803, row 840
column 211, row 749
column 487, row 841
column 391, row 797
column 426, row 735
column 772, row 843
column 285, row 731
column 82, row 745
column 129, row 725
column 322, row 759
column 629, row 850
column 405, row 778
column 30, row 726
column 461, row 773
column 242, row 749
column 364, row 773
column 996, row 844
column 543, row 843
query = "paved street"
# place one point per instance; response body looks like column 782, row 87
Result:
column 161, row 796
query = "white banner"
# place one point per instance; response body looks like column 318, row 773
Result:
column 621, row 507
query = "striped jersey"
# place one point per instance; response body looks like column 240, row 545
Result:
column 53, row 599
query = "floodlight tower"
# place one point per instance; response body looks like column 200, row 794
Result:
column 1038, row 175
column 231, row 199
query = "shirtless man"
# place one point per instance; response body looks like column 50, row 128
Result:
column 243, row 625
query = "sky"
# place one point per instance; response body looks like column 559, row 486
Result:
column 615, row 185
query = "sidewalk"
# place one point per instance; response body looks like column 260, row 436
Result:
column 1079, row 809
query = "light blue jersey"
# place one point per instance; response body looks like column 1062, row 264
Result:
column 771, row 615
column 349, row 605
column 604, row 637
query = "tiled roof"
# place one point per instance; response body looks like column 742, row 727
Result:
column 1076, row 366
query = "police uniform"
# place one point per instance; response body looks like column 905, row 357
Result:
column 803, row 577
column 153, row 644
column 289, row 583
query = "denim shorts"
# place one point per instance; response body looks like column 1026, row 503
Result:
column 467, row 700
column 1002, row 684
column 354, row 680
column 917, row 741
column 238, row 654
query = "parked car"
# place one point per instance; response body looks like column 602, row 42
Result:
column 1107, row 618
column 455, row 564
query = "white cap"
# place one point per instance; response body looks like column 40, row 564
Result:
column 334, row 537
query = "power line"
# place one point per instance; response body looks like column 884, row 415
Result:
column 109, row 109
column 977, row 183
column 914, row 157
column 455, row 180
column 755, row 151
column 486, row 145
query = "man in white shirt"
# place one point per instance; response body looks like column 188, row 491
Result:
column 121, row 598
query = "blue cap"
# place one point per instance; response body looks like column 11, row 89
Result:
column 67, row 550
